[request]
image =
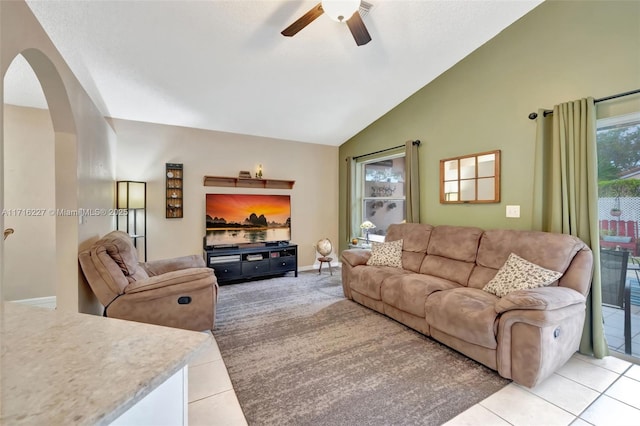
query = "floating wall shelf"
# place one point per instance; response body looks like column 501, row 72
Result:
column 248, row 183
column 174, row 176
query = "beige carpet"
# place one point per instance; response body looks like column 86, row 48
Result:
column 299, row 353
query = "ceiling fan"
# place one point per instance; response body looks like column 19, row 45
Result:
column 338, row 10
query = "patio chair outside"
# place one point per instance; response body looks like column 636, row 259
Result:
column 616, row 290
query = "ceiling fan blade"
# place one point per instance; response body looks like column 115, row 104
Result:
column 305, row 20
column 358, row 29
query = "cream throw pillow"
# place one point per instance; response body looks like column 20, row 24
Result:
column 386, row 254
column 519, row 274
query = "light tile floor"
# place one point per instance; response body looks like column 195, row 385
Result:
column 212, row 400
column 614, row 320
column 614, row 329
column 585, row 391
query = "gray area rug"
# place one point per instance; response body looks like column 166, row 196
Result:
column 299, row 353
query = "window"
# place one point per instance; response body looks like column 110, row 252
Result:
column 618, row 140
column 380, row 189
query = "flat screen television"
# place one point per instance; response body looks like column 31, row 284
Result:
column 234, row 219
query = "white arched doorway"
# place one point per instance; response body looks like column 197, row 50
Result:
column 29, row 188
column 39, row 148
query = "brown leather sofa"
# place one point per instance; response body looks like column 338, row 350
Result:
column 178, row 292
column 525, row 335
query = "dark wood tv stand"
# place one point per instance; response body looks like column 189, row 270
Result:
column 247, row 261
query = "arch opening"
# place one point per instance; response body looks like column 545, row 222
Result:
column 40, row 181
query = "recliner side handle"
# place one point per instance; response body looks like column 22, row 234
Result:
column 184, row 300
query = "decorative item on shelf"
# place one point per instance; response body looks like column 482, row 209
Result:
column 174, row 188
column 259, row 172
column 367, row 226
column 244, row 174
column 131, row 201
column 354, row 241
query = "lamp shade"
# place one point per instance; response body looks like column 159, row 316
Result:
column 367, row 225
column 131, row 195
column 340, row 10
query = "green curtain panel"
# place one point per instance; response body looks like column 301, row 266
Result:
column 412, row 182
column 349, row 199
column 566, row 195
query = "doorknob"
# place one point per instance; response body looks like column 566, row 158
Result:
column 8, row 232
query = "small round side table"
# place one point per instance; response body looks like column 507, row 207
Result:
column 326, row 260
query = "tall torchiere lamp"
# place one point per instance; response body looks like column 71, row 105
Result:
column 131, row 202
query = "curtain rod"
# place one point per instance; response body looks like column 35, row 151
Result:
column 416, row 142
column 534, row 115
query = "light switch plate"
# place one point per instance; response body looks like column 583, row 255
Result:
column 513, row 211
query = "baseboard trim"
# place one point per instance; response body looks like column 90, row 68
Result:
column 43, row 302
column 314, row 267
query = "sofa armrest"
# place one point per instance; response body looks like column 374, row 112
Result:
column 159, row 267
column 204, row 276
column 543, row 298
column 355, row 257
column 532, row 344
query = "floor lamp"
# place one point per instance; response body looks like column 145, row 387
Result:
column 131, row 202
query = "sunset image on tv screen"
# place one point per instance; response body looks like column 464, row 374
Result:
column 247, row 218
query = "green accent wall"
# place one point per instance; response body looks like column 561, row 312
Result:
column 560, row 51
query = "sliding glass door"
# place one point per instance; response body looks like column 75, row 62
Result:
column 619, row 215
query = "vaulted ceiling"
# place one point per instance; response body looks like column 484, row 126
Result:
column 223, row 65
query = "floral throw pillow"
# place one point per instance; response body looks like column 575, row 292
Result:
column 519, row 274
column 386, row 254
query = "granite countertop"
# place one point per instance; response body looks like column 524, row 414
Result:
column 70, row 368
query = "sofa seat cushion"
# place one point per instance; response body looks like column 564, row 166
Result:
column 409, row 292
column 465, row 313
column 367, row 280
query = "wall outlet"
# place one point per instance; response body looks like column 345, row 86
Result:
column 513, row 211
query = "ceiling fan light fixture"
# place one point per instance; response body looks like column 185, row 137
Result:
column 340, row 10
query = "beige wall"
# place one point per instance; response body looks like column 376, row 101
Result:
column 29, row 184
column 144, row 148
column 560, row 51
column 84, row 151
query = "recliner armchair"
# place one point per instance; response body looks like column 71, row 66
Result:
column 178, row 292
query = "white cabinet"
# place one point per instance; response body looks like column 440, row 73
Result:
column 165, row 405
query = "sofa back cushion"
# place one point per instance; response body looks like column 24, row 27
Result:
column 548, row 250
column 415, row 238
column 451, row 253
